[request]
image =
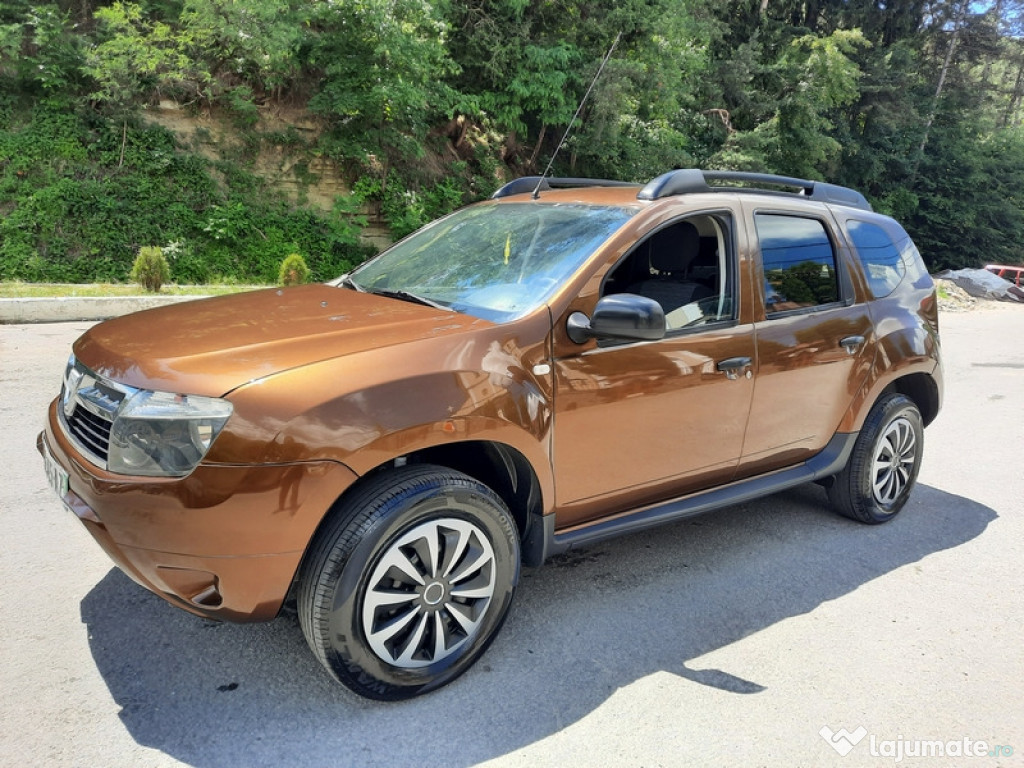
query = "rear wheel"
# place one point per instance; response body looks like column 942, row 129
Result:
column 883, row 467
column 409, row 581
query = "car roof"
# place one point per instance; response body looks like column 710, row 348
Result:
column 677, row 183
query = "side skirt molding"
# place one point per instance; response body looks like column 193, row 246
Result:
column 831, row 459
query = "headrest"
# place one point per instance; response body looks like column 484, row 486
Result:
column 673, row 248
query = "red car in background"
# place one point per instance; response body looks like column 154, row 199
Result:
column 1014, row 274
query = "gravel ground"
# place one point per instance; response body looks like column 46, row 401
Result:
column 954, row 298
column 728, row 640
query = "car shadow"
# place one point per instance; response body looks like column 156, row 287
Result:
column 586, row 624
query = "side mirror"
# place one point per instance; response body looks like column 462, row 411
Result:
column 623, row 316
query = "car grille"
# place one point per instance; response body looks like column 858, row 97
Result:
column 88, row 407
column 91, row 431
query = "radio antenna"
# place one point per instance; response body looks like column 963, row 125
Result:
column 536, row 190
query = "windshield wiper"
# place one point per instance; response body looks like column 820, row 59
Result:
column 406, row 296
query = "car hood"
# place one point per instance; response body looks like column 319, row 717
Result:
column 211, row 346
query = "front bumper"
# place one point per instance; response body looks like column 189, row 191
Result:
column 224, row 542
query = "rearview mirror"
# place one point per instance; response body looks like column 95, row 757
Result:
column 623, row 316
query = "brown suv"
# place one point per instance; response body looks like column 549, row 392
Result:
column 571, row 360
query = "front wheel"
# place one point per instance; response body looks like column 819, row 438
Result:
column 877, row 480
column 409, row 581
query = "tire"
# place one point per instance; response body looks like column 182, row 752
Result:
column 409, row 581
column 880, row 474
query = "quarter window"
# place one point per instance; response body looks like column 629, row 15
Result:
column 879, row 255
column 799, row 263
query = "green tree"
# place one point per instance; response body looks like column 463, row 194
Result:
column 40, row 53
column 253, row 43
column 381, row 67
column 815, row 75
column 138, row 56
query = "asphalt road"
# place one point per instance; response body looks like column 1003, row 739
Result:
column 727, row 640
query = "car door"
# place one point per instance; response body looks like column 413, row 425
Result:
column 814, row 340
column 638, row 422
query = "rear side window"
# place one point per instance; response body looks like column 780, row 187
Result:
column 881, row 258
column 799, row 262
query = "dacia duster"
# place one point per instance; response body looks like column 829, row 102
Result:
column 570, row 360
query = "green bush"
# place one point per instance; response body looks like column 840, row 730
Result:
column 293, row 270
column 150, row 269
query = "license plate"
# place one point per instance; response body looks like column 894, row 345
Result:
column 55, row 474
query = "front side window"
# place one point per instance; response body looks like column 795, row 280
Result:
column 685, row 267
column 497, row 261
column 799, row 263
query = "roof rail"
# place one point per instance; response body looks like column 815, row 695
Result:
column 693, row 180
column 529, row 183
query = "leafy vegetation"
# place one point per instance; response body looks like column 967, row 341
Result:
column 429, row 104
column 150, row 269
column 80, row 195
column 293, row 270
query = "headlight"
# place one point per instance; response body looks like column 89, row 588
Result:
column 159, row 434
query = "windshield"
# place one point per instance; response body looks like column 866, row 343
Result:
column 494, row 261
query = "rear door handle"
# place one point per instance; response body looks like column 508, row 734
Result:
column 850, row 343
column 732, row 366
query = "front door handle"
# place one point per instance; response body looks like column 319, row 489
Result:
column 850, row 344
column 732, row 366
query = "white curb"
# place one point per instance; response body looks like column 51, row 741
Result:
column 68, row 308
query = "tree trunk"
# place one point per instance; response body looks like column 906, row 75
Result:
column 812, row 15
column 124, row 140
column 986, row 72
column 957, row 23
column 1015, row 97
column 532, row 165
